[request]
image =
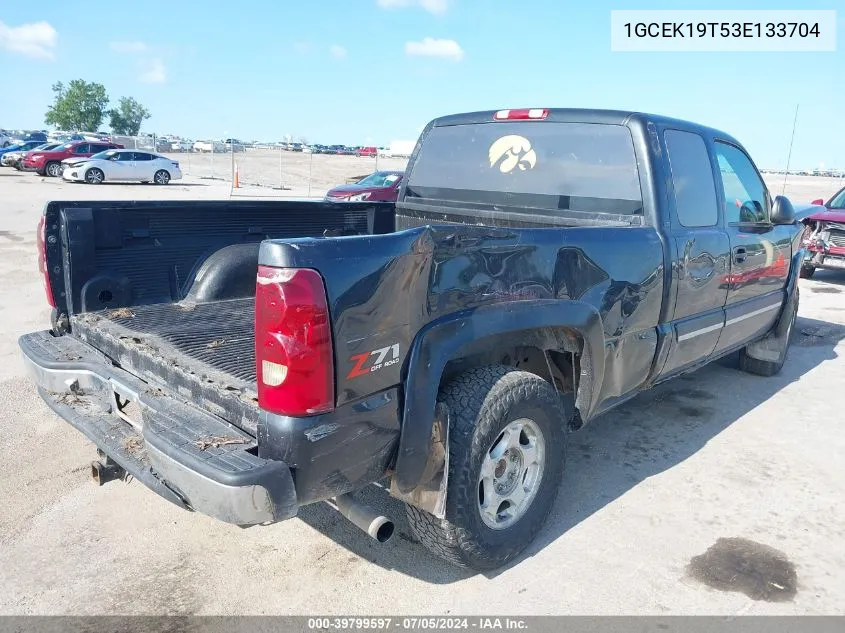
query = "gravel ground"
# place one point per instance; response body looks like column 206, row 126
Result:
column 679, row 486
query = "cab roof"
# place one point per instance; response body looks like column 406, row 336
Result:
column 628, row 118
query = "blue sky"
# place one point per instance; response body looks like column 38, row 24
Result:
column 355, row 71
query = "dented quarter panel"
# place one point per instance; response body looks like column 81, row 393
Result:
column 430, row 289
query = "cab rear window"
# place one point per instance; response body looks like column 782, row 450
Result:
column 547, row 166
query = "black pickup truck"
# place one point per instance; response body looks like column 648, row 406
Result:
column 540, row 267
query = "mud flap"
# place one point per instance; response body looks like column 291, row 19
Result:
column 772, row 347
column 430, row 493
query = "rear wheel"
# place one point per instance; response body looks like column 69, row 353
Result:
column 53, row 169
column 507, row 447
column 94, row 176
column 161, row 177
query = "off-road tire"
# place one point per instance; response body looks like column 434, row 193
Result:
column 481, row 403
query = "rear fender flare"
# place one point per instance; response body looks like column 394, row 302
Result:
column 441, row 341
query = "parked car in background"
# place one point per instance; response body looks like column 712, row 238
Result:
column 5, row 139
column 370, row 152
column 233, row 144
column 837, row 201
column 381, row 186
column 181, row 145
column 122, row 165
column 14, row 159
column 164, row 144
column 19, row 146
column 824, row 236
column 209, row 146
column 50, row 163
column 36, row 135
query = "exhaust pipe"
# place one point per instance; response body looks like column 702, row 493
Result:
column 362, row 516
column 105, row 470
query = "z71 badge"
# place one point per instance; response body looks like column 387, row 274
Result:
column 373, row 361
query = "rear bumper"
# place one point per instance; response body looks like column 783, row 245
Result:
column 165, row 443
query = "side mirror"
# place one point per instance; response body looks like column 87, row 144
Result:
column 782, row 211
column 818, row 202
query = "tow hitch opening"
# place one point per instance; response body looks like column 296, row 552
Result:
column 105, row 469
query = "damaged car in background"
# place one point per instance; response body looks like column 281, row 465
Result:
column 824, row 236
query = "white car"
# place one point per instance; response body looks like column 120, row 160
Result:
column 121, row 165
column 209, row 146
column 5, row 139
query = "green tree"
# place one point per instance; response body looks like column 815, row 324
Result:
column 128, row 116
column 78, row 106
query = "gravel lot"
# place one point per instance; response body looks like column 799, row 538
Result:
column 649, row 489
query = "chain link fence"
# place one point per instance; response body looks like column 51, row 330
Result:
column 290, row 169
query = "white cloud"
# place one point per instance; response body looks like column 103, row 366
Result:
column 153, row 71
column 128, row 47
column 431, row 47
column 36, row 40
column 337, row 51
column 438, row 7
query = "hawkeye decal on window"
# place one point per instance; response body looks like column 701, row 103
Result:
column 512, row 151
column 373, row 361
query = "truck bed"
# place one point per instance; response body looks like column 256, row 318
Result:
column 203, row 351
column 166, row 288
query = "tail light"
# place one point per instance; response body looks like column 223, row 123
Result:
column 293, row 342
column 42, row 261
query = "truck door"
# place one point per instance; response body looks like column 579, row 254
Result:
column 701, row 245
column 760, row 252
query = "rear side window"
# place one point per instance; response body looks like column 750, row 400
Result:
column 81, row 149
column 534, row 165
column 692, row 179
column 98, row 148
column 142, row 156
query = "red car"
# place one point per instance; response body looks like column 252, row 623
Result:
column 50, row 163
column 381, row 186
column 370, row 152
column 824, row 237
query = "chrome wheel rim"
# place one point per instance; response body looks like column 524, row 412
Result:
column 54, row 170
column 94, row 176
column 511, row 473
column 161, row 178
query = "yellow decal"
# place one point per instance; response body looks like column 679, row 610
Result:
column 512, row 151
